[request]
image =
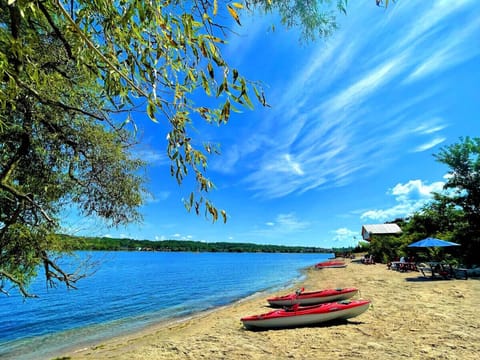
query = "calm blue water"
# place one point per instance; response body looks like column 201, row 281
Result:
column 131, row 290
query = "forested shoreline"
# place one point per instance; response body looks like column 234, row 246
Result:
column 125, row 244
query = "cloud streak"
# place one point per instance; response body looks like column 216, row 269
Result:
column 324, row 132
column 283, row 225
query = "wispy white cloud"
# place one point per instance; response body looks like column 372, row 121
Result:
column 430, row 127
column 153, row 157
column 159, row 196
column 367, row 85
column 285, row 164
column 283, row 224
column 290, row 223
column 251, row 143
column 349, row 109
column 427, row 146
column 453, row 50
column 428, row 17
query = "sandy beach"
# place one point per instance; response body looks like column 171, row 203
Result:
column 410, row 317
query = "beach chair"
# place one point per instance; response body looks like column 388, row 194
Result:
column 461, row 273
column 425, row 269
column 453, row 272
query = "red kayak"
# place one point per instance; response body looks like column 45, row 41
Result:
column 307, row 315
column 313, row 297
column 331, row 264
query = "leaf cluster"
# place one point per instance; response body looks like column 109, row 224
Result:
column 314, row 18
column 76, row 77
column 58, row 147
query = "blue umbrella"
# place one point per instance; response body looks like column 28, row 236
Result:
column 432, row 242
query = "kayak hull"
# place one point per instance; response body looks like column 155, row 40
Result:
column 331, row 264
column 309, row 315
column 313, row 297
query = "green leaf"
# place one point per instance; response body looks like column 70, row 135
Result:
column 225, row 114
column 205, row 83
column 151, row 110
column 210, row 70
column 247, row 100
column 234, row 14
column 191, row 199
column 235, row 75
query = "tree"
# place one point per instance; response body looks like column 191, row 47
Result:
column 463, row 158
column 56, row 148
column 438, row 218
column 75, row 75
column 453, row 214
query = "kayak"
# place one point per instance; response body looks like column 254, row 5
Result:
column 313, row 297
column 331, row 264
column 306, row 315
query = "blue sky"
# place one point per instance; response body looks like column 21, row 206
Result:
column 350, row 135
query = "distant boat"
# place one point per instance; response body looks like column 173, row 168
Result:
column 331, row 264
column 307, row 315
column 313, row 297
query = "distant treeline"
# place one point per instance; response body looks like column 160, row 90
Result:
column 112, row 244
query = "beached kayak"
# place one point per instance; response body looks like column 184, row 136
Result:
column 304, row 298
column 331, row 264
column 306, row 315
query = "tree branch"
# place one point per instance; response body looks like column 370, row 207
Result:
column 65, row 43
column 68, row 279
column 9, row 168
column 17, row 282
column 57, row 103
column 94, row 49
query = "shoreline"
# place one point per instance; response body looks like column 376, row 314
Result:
column 290, row 286
column 409, row 317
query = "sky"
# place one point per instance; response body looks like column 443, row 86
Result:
column 348, row 139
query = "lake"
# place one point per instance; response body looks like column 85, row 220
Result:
column 131, row 290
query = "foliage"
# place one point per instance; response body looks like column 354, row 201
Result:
column 385, row 248
column 77, row 76
column 315, row 18
column 463, row 158
column 437, row 217
column 55, row 149
column 453, row 215
column 110, row 244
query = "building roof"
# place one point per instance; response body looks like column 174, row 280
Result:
column 379, row 229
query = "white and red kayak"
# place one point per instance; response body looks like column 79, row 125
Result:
column 304, row 298
column 306, row 315
column 331, row 264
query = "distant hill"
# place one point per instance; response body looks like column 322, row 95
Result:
column 112, row 244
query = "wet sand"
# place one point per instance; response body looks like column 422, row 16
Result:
column 410, row 317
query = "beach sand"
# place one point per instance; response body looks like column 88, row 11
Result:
column 410, row 317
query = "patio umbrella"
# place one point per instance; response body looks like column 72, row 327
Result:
column 432, row 242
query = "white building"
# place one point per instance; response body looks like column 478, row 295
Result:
column 369, row 231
